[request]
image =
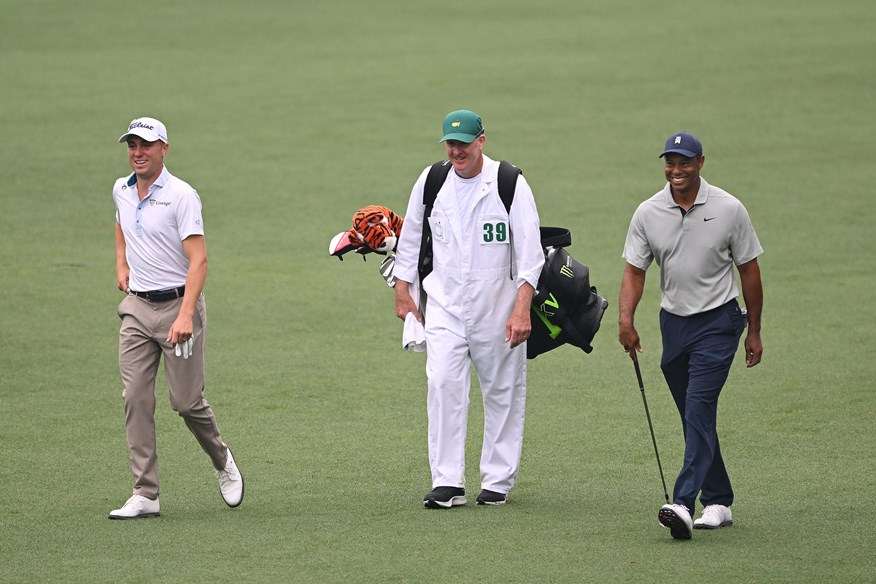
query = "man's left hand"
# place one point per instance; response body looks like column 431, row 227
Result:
column 753, row 349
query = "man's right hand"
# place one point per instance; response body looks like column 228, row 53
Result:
column 632, row 287
column 122, row 277
column 404, row 303
column 629, row 340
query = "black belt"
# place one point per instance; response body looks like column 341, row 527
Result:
column 162, row 295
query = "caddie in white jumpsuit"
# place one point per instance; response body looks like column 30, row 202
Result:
column 486, row 264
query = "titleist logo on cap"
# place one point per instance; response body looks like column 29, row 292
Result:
column 139, row 124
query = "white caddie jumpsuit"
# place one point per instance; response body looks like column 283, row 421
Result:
column 481, row 255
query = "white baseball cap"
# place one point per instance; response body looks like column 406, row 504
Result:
column 149, row 129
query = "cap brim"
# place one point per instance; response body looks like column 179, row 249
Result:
column 467, row 138
column 142, row 133
column 686, row 153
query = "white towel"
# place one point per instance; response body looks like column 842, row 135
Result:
column 414, row 335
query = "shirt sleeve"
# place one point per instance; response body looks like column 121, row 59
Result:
column 116, row 189
column 744, row 244
column 637, row 250
column 524, row 223
column 188, row 215
column 407, row 251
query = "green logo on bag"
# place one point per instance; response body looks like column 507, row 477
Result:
column 550, row 302
column 544, row 313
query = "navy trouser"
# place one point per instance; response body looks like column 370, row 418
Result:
column 697, row 353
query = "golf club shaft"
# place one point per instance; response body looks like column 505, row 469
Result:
column 650, row 425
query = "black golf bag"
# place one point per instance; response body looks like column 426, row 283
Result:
column 565, row 308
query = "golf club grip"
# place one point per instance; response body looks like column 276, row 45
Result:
column 638, row 374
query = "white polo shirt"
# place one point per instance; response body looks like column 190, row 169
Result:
column 695, row 251
column 155, row 228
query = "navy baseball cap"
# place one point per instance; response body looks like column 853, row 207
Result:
column 463, row 126
column 684, row 144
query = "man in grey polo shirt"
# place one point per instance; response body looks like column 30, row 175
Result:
column 695, row 232
column 161, row 263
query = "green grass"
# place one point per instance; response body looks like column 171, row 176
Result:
column 289, row 116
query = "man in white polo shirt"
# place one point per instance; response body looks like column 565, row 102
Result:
column 161, row 263
column 696, row 233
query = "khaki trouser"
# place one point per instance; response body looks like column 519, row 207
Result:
column 142, row 341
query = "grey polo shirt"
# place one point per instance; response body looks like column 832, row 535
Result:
column 695, row 251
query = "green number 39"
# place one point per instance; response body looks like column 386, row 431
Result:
column 495, row 232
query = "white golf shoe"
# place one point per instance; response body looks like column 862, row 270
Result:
column 230, row 482
column 713, row 517
column 136, row 507
column 677, row 518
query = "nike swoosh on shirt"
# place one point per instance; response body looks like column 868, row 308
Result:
column 708, row 218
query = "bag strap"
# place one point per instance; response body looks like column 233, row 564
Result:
column 508, row 174
column 434, row 180
column 555, row 236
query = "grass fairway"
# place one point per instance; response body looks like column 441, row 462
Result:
column 289, row 116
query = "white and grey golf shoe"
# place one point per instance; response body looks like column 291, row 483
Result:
column 713, row 517
column 137, row 507
column 677, row 518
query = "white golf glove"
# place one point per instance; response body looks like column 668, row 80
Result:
column 184, row 349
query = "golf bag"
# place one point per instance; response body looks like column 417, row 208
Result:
column 565, row 308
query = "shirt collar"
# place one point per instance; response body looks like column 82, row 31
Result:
column 702, row 194
column 159, row 182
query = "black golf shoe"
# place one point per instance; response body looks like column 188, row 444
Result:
column 444, row 498
column 491, row 498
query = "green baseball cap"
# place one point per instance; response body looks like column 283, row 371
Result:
column 463, row 126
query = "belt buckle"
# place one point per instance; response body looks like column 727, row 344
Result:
column 166, row 295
